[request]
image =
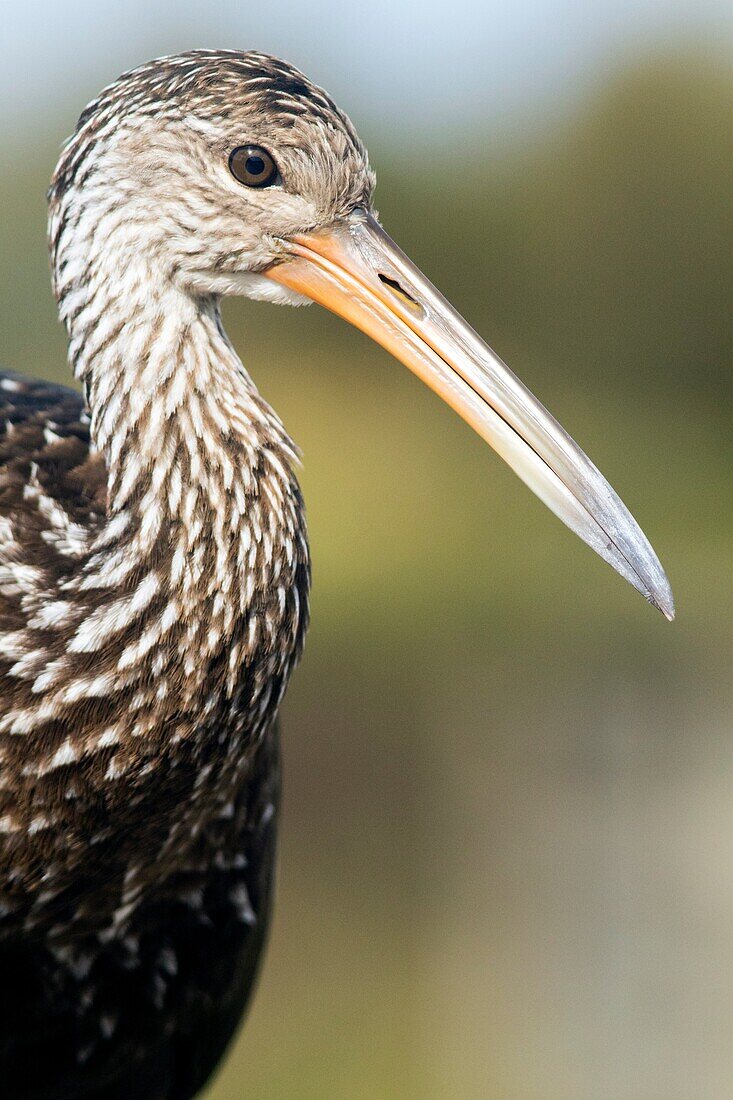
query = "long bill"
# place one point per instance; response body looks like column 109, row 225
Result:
column 357, row 271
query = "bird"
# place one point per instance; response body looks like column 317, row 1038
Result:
column 154, row 562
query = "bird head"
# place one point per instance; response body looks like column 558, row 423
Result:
column 232, row 173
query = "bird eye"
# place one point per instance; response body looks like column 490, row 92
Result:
column 253, row 166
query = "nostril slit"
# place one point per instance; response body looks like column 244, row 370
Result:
column 400, row 292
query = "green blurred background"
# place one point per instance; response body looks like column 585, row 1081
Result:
column 507, row 848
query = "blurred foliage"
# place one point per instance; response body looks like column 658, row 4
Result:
column 506, row 847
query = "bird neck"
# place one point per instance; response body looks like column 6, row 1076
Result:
column 201, row 491
column 172, row 407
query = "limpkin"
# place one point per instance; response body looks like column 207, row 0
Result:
column 154, row 564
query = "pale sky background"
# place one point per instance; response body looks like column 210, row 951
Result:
column 411, row 65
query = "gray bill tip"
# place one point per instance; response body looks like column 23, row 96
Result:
column 663, row 600
column 644, row 570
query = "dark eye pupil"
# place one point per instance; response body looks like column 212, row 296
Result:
column 254, row 165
